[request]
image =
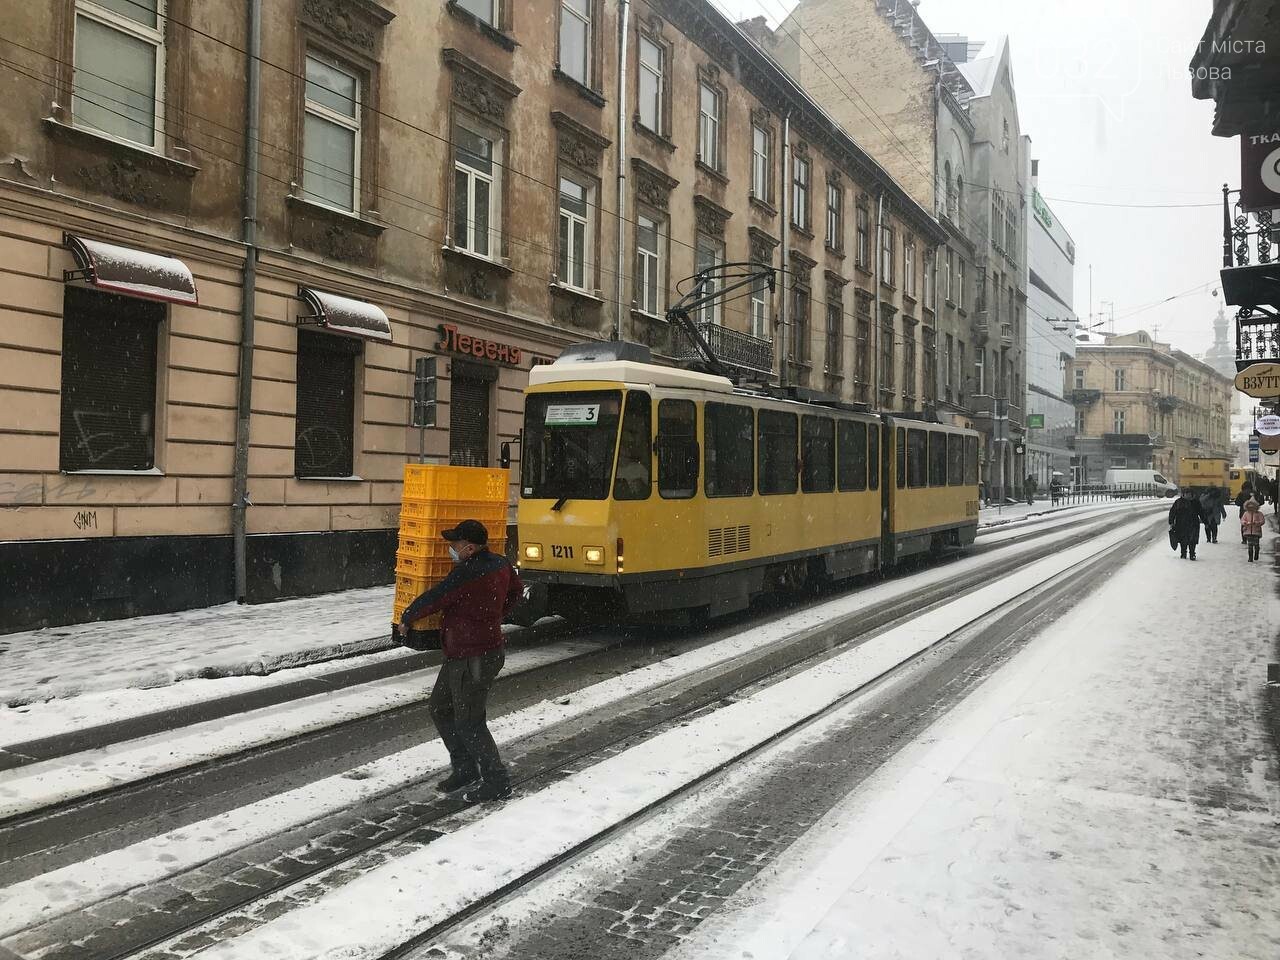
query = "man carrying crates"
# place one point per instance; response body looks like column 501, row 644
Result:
column 474, row 598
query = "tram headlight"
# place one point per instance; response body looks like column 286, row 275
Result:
column 593, row 555
column 532, row 551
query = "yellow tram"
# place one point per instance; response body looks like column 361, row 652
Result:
column 647, row 489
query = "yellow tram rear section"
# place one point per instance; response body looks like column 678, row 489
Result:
column 647, row 489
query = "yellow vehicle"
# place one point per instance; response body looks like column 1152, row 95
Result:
column 647, row 489
column 1237, row 477
column 1202, row 473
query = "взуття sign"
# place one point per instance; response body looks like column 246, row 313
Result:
column 1259, row 380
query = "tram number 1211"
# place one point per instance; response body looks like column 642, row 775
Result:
column 561, row 553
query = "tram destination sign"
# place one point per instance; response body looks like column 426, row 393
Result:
column 1259, row 380
column 572, row 415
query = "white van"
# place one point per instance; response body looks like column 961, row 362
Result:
column 1116, row 477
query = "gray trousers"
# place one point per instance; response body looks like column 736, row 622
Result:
column 458, row 702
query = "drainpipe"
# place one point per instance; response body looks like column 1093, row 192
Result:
column 624, row 13
column 784, row 308
column 248, row 302
column 875, row 320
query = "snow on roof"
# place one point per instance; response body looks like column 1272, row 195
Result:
column 135, row 273
column 340, row 314
column 982, row 70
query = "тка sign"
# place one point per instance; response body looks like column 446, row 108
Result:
column 1260, row 171
column 1259, row 380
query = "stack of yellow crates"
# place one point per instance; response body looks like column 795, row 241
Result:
column 436, row 498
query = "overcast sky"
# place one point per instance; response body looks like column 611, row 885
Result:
column 1104, row 93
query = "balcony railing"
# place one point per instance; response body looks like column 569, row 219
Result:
column 1250, row 251
column 733, row 348
column 1129, row 439
column 1085, row 395
column 983, row 405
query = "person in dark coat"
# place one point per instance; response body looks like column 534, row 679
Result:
column 475, row 597
column 1185, row 518
column 1211, row 505
column 1029, row 487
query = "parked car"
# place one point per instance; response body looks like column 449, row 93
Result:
column 1120, row 479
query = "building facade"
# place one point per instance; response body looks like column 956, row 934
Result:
column 1051, row 340
column 1142, row 404
column 189, row 424
column 942, row 117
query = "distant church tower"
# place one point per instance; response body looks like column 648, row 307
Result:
column 1222, row 356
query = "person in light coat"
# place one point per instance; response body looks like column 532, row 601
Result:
column 1251, row 522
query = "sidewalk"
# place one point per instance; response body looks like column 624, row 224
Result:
column 1112, row 792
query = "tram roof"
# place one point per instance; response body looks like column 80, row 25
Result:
column 627, row 371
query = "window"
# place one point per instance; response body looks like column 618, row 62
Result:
column 1117, row 421
column 777, row 455
column 108, row 381
column 948, row 359
column 950, row 278
column 761, row 164
column 634, row 476
column 731, row 440
column 917, row 459
column 886, row 255
column 950, row 208
column 851, row 455
column 955, row 460
column 759, row 304
column 575, row 40
column 1080, row 414
column 574, row 267
column 928, row 270
column 475, row 191
column 900, row 457
column 864, row 356
column 835, row 332
column 1120, row 378
column 971, row 461
column 470, row 403
column 960, row 282
column 331, row 135
column 961, row 374
column 818, row 457
column 117, row 85
column 565, row 457
column 709, row 126
column 800, row 192
column 652, row 85
column 1079, row 378
column 886, row 356
column 864, row 237
column 709, row 254
column 1119, row 462
column 980, row 370
column 835, row 216
column 650, row 277
column 909, row 265
column 800, row 324
column 485, row 10
column 325, row 425
column 677, row 449
column 908, row 364
column 937, row 459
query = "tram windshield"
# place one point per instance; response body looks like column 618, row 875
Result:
column 568, row 444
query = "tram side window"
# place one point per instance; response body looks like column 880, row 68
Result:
column 851, row 455
column 955, row 459
column 677, row 449
column 634, row 477
column 917, row 458
column 777, row 452
column 730, row 432
column 971, row 461
column 873, row 456
column 817, row 465
column 937, row 459
column 900, row 450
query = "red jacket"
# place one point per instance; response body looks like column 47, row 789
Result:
column 474, row 598
column 1251, row 522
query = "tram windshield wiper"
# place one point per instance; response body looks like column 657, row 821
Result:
column 559, row 504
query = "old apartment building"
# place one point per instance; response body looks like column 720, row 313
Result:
column 1141, row 403
column 211, row 312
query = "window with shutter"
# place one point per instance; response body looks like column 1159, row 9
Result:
column 325, row 426
column 469, row 414
column 108, row 381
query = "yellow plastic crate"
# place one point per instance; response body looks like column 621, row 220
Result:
column 432, row 569
column 434, row 481
column 452, row 512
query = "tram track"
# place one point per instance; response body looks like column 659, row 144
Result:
column 405, row 816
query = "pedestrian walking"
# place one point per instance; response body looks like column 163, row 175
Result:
column 1214, row 513
column 1245, row 494
column 1029, row 487
column 1185, row 519
column 474, row 598
column 1251, row 527
column 1055, row 491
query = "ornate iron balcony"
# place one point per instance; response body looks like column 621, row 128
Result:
column 733, row 348
column 1085, row 396
column 1129, row 439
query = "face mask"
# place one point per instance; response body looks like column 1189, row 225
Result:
column 457, row 558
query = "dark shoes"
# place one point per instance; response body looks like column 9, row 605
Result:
column 487, row 791
column 457, row 780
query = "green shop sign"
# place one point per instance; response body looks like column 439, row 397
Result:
column 1035, row 421
column 1042, row 209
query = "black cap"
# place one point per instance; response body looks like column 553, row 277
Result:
column 470, row 531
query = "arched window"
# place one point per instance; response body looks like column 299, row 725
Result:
column 959, row 193
column 949, row 209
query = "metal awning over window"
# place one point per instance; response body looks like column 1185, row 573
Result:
column 134, row 273
column 344, row 315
